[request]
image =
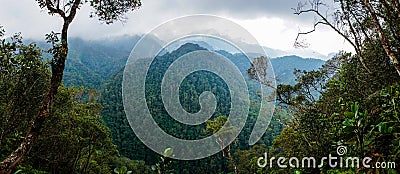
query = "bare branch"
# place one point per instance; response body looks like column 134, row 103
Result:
column 324, row 20
column 297, row 43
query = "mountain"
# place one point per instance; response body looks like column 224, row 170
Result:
column 192, row 86
column 175, row 45
column 190, row 89
column 91, row 63
column 253, row 50
column 284, row 67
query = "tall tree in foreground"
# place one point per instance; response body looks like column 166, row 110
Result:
column 223, row 133
column 359, row 22
column 107, row 11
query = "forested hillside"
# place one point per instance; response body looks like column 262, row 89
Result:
column 62, row 101
column 75, row 140
column 97, row 120
column 129, row 145
column 91, row 63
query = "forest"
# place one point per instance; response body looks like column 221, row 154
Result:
column 62, row 110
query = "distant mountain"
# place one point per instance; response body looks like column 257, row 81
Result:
column 276, row 53
column 128, row 144
column 175, row 45
column 190, row 89
column 91, row 63
column 253, row 50
column 284, row 67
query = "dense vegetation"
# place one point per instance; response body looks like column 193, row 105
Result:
column 78, row 113
column 351, row 101
column 357, row 109
column 76, row 139
column 193, row 85
column 106, row 11
column 338, row 104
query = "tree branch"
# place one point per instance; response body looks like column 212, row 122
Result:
column 382, row 36
column 325, row 21
column 52, row 10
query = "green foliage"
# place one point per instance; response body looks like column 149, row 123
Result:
column 356, row 108
column 215, row 125
column 136, row 166
column 375, row 131
column 168, row 152
column 28, row 170
column 23, row 81
column 190, row 89
column 122, row 170
column 79, row 140
column 221, row 129
column 114, row 116
column 75, row 139
column 80, row 143
column 247, row 159
column 165, row 163
column 91, row 63
column 106, row 11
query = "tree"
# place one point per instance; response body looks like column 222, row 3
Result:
column 223, row 133
column 360, row 22
column 164, row 164
column 247, row 159
column 23, row 77
column 106, row 11
column 78, row 143
column 357, row 109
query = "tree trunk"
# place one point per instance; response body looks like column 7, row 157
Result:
column 382, row 37
column 57, row 69
column 230, row 158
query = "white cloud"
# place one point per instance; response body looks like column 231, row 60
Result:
column 271, row 22
column 280, row 34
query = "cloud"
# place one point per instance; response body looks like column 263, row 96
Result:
column 236, row 8
column 272, row 22
column 26, row 16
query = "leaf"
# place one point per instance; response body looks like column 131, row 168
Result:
column 349, row 114
column 347, row 123
column 18, row 171
column 123, row 170
column 390, row 129
column 385, row 94
column 351, row 142
column 382, row 127
column 116, row 170
column 168, row 152
column 348, row 129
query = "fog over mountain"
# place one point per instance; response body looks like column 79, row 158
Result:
column 92, row 62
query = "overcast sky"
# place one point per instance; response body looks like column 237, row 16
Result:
column 271, row 22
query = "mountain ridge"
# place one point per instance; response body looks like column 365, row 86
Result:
column 91, row 63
